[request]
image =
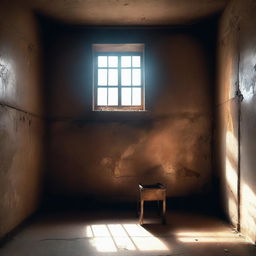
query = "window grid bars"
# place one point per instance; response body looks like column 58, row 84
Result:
column 120, row 86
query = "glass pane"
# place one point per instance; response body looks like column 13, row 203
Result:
column 102, row 61
column 136, row 76
column 126, row 61
column 112, row 77
column 102, row 97
column 126, row 97
column 102, row 76
column 136, row 96
column 126, row 77
column 136, row 61
column 112, row 61
column 112, row 97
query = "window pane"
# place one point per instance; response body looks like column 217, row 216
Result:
column 126, row 77
column 102, row 61
column 112, row 61
column 136, row 76
column 112, row 97
column 112, row 77
column 136, row 61
column 102, row 97
column 102, row 76
column 126, row 97
column 126, row 61
column 136, row 96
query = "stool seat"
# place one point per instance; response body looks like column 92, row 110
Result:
column 152, row 192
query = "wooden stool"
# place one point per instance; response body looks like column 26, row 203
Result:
column 154, row 192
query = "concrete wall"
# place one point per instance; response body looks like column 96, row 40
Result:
column 227, row 115
column 106, row 154
column 21, row 127
column 237, row 119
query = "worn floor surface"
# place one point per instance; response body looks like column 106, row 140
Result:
column 118, row 233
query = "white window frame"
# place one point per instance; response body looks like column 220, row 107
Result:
column 118, row 50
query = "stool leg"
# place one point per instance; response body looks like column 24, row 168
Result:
column 141, row 211
column 164, row 210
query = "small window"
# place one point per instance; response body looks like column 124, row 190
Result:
column 118, row 77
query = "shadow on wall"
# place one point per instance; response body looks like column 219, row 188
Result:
column 109, row 156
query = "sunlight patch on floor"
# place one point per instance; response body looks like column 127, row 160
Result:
column 116, row 237
column 209, row 237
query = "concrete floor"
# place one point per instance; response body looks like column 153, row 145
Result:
column 118, row 233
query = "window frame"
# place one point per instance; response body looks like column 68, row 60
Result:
column 118, row 107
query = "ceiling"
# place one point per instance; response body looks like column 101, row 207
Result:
column 128, row 12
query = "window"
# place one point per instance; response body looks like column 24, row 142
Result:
column 118, row 77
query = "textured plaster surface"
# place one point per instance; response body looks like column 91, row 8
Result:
column 106, row 154
column 20, row 78
column 247, row 82
column 237, row 48
column 128, row 12
column 20, row 166
column 21, row 129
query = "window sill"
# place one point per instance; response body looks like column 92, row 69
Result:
column 119, row 109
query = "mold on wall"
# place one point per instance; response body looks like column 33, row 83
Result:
column 106, row 154
column 21, row 127
column 237, row 53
